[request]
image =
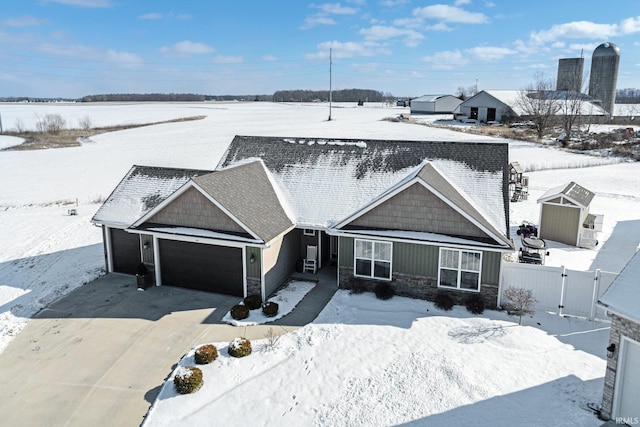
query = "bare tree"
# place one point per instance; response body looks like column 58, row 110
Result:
column 519, row 301
column 19, row 126
column 571, row 105
column 51, row 123
column 85, row 123
column 535, row 102
column 465, row 93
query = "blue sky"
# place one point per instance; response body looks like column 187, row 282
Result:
column 71, row 48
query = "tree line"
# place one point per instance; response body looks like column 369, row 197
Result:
column 343, row 95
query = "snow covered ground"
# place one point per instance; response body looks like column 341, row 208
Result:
column 367, row 362
column 45, row 253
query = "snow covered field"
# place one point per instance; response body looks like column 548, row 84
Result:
column 45, row 253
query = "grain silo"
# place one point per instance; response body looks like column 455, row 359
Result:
column 604, row 74
column 570, row 74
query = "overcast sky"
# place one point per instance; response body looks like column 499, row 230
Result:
column 71, row 48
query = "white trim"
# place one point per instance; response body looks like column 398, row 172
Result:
column 620, row 367
column 459, row 270
column 244, row 271
column 372, row 259
column 319, row 249
column 306, row 233
column 156, row 260
column 343, row 233
column 263, row 290
column 197, row 239
column 107, row 237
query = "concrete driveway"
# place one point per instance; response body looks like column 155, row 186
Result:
column 99, row 356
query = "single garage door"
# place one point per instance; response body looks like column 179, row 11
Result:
column 627, row 404
column 125, row 250
column 202, row 267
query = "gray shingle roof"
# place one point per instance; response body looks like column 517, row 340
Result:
column 573, row 191
column 141, row 189
column 247, row 192
column 325, row 180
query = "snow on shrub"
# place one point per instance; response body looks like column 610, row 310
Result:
column 520, row 301
column 188, row 379
column 270, row 308
column 206, row 354
column 239, row 347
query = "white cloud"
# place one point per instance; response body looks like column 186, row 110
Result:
column 316, row 20
column 489, row 53
column 123, row 58
column 151, row 16
column 269, row 58
column 393, row 3
column 446, row 13
column 23, row 21
column 489, row 4
column 440, row 26
column 186, row 48
column 630, row 25
column 336, row 9
column 379, row 32
column 573, row 30
column 446, row 60
column 220, row 59
column 461, row 2
column 84, row 3
column 348, row 50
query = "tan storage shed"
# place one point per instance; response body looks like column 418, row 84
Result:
column 565, row 217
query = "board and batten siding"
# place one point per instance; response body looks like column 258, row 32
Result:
column 560, row 223
column 423, row 260
column 193, row 209
column 280, row 260
column 253, row 268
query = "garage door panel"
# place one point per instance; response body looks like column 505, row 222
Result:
column 125, row 250
column 202, row 267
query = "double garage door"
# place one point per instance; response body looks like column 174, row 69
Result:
column 183, row 264
column 202, row 267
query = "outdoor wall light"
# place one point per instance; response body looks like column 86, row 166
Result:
column 145, row 245
column 610, row 350
column 252, row 258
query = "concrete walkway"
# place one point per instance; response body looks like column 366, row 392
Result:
column 99, row 356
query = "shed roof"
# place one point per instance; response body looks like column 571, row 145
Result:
column 623, row 296
column 572, row 191
column 141, row 189
column 325, row 180
column 431, row 98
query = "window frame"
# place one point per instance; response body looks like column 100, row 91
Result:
column 459, row 270
column 373, row 259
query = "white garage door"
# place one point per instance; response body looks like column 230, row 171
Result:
column 628, row 390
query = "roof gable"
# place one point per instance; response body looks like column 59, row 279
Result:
column 573, row 192
column 142, row 189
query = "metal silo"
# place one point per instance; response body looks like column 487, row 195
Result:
column 570, row 74
column 604, row 74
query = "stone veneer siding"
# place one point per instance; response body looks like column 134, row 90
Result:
column 421, row 287
column 620, row 326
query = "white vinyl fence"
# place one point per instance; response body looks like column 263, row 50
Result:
column 559, row 289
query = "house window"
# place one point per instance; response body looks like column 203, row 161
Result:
column 373, row 259
column 309, row 232
column 460, row 269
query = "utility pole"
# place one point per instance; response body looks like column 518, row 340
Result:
column 330, row 92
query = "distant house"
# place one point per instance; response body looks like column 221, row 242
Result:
column 425, row 216
column 435, row 104
column 622, row 378
column 502, row 105
column 565, row 217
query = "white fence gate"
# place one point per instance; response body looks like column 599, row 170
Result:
column 559, row 289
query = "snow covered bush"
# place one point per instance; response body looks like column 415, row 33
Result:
column 206, row 354
column 475, row 304
column 253, row 302
column 520, row 301
column 444, row 301
column 239, row 312
column 188, row 379
column 384, row 291
column 239, row 347
column 270, row 308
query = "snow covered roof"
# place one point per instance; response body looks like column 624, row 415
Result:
column 623, row 296
column 326, row 180
column 142, row 189
column 572, row 191
column 429, row 98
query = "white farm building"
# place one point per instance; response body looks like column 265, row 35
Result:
column 435, row 104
